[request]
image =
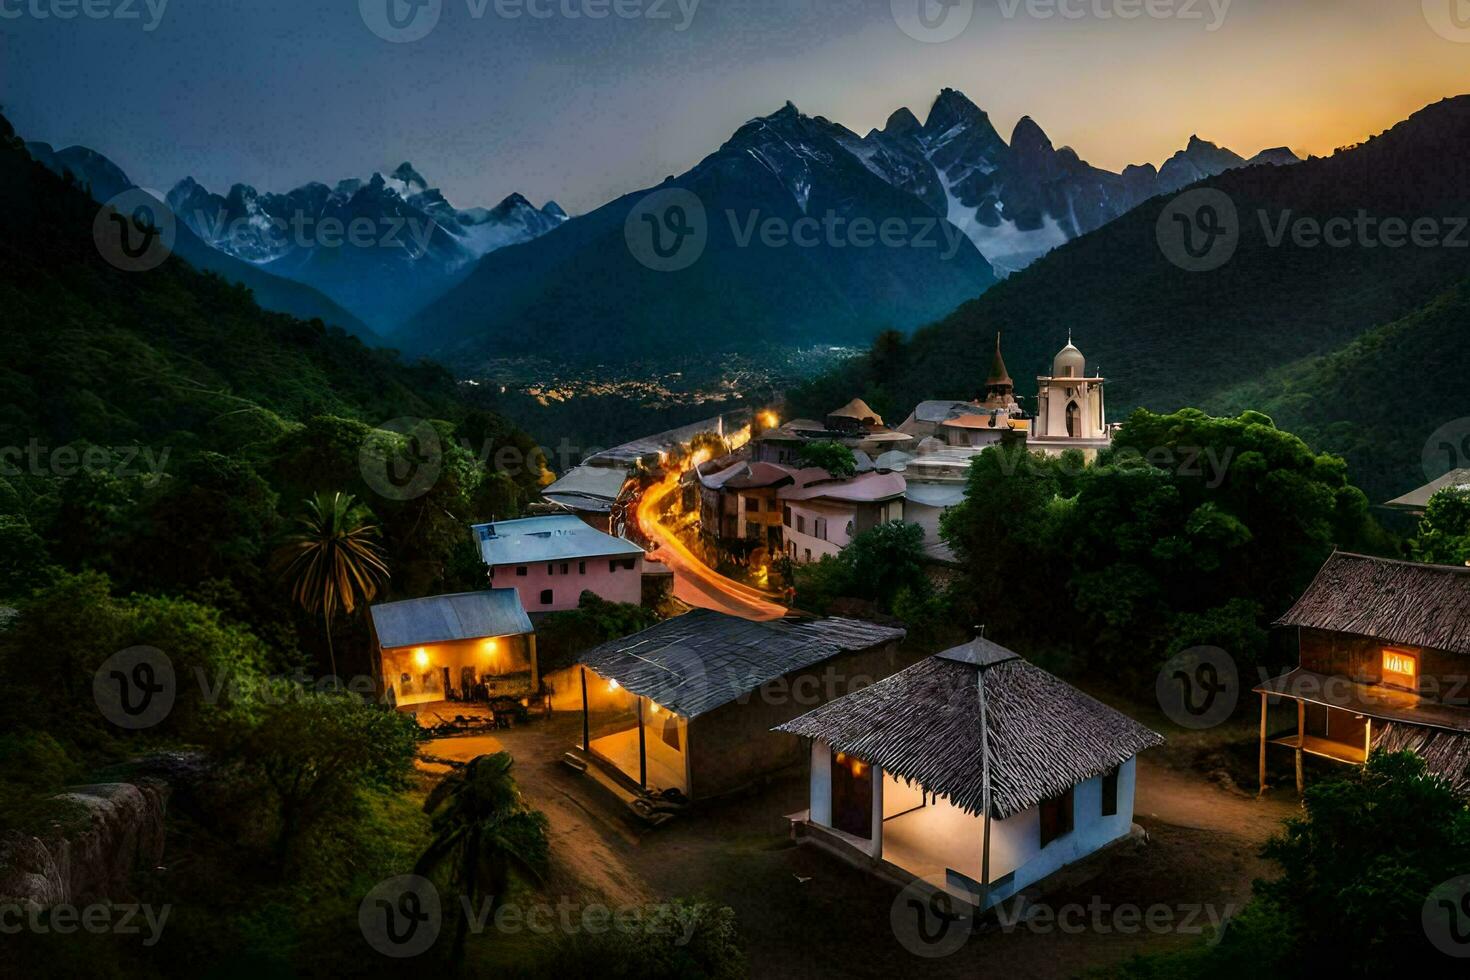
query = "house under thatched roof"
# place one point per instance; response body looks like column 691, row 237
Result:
column 923, row 724
column 694, row 663
column 1398, row 601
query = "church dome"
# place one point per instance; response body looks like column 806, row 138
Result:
column 1069, row 362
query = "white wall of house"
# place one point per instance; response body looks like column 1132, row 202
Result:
column 941, row 836
column 821, row 789
column 808, row 540
column 1015, row 843
column 899, row 796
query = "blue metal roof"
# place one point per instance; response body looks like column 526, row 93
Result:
column 440, row 618
column 556, row 538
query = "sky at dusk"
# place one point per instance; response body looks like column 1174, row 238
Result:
column 580, row 109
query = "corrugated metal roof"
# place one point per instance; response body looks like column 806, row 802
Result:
column 440, row 618
column 591, row 481
column 662, row 442
column 696, row 662
column 558, row 537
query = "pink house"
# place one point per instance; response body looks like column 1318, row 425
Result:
column 552, row 560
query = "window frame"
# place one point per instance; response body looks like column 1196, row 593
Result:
column 1057, row 815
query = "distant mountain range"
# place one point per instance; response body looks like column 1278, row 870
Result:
column 466, row 285
column 1356, row 340
column 1018, row 201
column 413, row 247
column 104, row 180
column 779, row 259
column 578, row 293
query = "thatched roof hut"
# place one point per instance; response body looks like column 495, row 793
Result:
column 923, row 724
column 1398, row 601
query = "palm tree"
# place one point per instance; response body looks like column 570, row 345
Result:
column 334, row 562
column 482, row 829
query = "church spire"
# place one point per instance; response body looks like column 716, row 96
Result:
column 999, row 376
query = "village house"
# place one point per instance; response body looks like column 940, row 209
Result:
column 550, row 561
column 1415, row 502
column 1384, row 663
column 461, row 647
column 822, row 518
column 854, row 425
column 973, row 770
column 591, row 492
column 688, row 705
column 738, row 499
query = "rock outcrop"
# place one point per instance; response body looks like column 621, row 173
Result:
column 121, row 831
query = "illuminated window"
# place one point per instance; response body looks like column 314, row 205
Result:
column 1401, row 669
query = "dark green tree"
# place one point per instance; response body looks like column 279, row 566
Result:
column 482, row 830
column 1444, row 531
column 829, row 455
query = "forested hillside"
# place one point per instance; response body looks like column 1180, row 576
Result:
column 1167, row 337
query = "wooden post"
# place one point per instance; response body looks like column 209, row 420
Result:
column 642, row 749
column 1262, row 765
column 1301, row 738
column 586, row 733
column 984, row 793
column 1367, row 739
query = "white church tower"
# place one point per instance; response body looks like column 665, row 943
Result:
column 1069, row 406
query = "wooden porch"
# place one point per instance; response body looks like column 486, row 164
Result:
column 1351, row 748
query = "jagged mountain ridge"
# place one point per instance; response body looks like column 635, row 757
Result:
column 578, row 293
column 1018, row 200
column 414, row 247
